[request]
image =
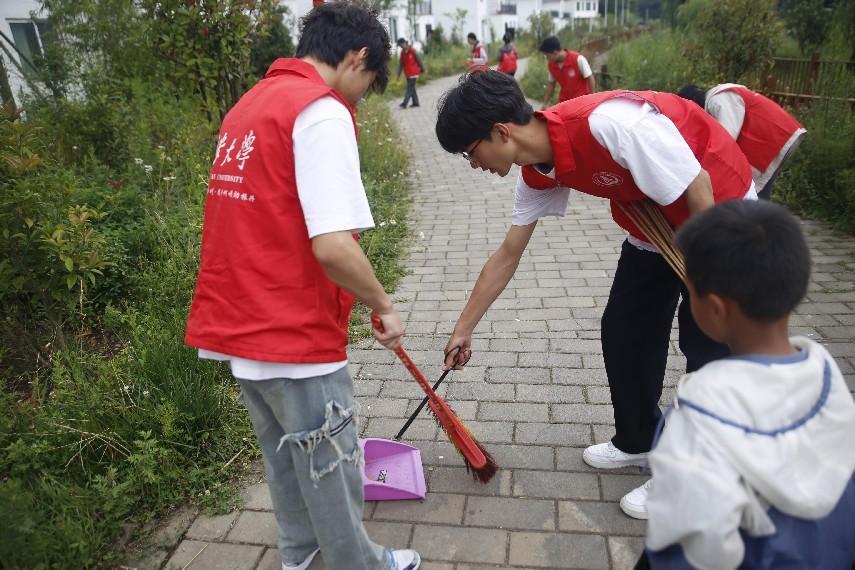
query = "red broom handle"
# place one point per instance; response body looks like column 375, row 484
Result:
column 461, row 435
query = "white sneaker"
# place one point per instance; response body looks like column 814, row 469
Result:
column 406, row 559
column 634, row 503
column 607, row 456
column 302, row 565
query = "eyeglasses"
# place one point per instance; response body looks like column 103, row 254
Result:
column 468, row 154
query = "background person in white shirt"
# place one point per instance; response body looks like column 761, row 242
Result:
column 479, row 52
column 765, row 132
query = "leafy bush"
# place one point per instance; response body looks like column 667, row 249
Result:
column 651, row 61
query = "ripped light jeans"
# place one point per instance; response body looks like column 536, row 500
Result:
column 308, row 432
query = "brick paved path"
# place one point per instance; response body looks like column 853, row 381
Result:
column 534, row 393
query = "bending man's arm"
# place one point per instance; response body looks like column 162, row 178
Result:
column 494, row 277
column 346, row 265
column 699, row 193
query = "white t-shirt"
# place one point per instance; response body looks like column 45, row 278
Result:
column 728, row 108
column 333, row 199
column 584, row 68
column 481, row 59
column 640, row 139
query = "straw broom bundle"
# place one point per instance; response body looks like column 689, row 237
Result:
column 648, row 218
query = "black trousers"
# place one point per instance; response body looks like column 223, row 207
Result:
column 411, row 92
column 636, row 329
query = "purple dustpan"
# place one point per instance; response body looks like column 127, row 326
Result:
column 393, row 471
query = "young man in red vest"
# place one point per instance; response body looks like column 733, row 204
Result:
column 479, row 53
column 766, row 133
column 280, row 267
column 569, row 69
column 411, row 64
column 622, row 146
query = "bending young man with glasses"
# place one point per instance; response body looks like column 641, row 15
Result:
column 622, row 146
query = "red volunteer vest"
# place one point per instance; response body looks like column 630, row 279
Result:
column 766, row 129
column 569, row 77
column 509, row 62
column 410, row 63
column 260, row 293
column 584, row 164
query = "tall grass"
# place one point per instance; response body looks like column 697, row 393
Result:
column 126, row 422
column 651, row 61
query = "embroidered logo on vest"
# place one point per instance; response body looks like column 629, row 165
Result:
column 606, row 179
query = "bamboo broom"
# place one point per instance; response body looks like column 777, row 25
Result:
column 648, row 218
column 478, row 461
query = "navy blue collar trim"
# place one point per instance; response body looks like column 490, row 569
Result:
column 823, row 398
column 799, row 356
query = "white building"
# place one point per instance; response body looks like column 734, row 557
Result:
column 488, row 19
column 21, row 31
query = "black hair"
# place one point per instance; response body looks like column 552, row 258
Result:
column 507, row 38
column 401, row 42
column 331, row 30
column 468, row 111
column 549, row 45
column 750, row 251
column 472, row 36
column 694, row 93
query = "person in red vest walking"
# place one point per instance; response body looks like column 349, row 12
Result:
column 766, row 133
column 479, row 53
column 280, row 267
column 622, row 146
column 411, row 64
column 507, row 56
column 570, row 69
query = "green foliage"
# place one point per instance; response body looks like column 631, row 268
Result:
column 533, row 82
column 820, row 179
column 278, row 43
column 731, row 40
column 540, row 26
column 809, row 21
column 651, row 61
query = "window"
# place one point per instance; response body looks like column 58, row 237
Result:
column 27, row 36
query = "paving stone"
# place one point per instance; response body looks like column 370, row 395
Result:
column 555, row 484
column 583, row 413
column 558, row 550
column 510, row 513
column 460, row 544
column 257, row 497
column 212, row 527
column 482, row 392
column 590, row 516
column 389, row 534
column 148, row 560
column 501, row 375
column 170, row 533
column 553, row 434
column 522, row 456
column 549, row 394
column 435, row 508
column 579, row 377
column 458, row 480
column 194, row 555
column 625, row 551
column 255, row 527
column 615, row 486
column 423, row 428
column 498, row 411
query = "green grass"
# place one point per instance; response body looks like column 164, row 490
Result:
column 125, row 422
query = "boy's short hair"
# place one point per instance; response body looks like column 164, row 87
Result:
column 471, row 36
column 401, row 42
column 695, row 94
column 507, row 38
column 750, row 251
column 468, row 111
column 331, row 30
column 549, row 45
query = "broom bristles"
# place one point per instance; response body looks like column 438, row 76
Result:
column 649, row 219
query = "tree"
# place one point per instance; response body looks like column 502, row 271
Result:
column 732, row 40
column 809, row 21
column 459, row 19
column 541, row 26
column 278, row 43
